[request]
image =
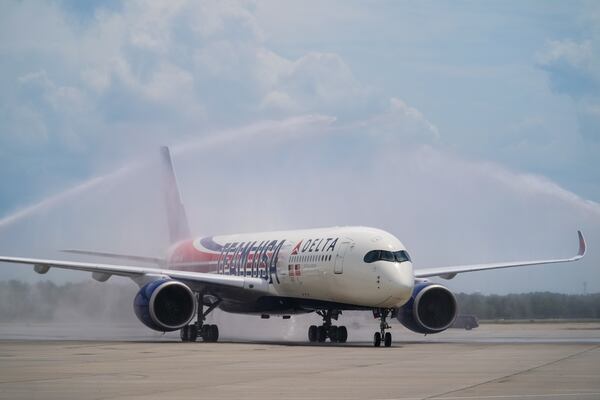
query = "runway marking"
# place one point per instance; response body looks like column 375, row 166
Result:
column 439, row 396
column 520, row 396
column 508, row 396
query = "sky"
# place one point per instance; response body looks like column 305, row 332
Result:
column 468, row 129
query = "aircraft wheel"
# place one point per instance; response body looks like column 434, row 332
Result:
column 210, row 333
column 204, row 332
column 333, row 333
column 192, row 333
column 377, row 339
column 184, row 333
column 312, row 333
column 214, row 333
column 321, row 334
column 342, row 334
column 388, row 339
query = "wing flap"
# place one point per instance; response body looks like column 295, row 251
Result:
column 450, row 272
column 117, row 256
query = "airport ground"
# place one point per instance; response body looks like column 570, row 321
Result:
column 495, row 361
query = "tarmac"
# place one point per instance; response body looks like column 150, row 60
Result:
column 516, row 361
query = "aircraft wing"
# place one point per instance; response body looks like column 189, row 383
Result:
column 102, row 272
column 450, row 272
column 116, row 256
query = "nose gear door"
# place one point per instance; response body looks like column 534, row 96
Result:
column 338, row 267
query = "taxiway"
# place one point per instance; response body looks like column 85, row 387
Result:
column 529, row 361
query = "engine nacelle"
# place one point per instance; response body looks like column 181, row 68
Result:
column 432, row 308
column 165, row 305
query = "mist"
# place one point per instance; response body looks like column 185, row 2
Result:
column 104, row 311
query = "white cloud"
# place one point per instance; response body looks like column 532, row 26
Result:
column 192, row 63
column 575, row 61
column 401, row 123
column 314, row 82
column 577, row 54
column 573, row 67
column 278, row 101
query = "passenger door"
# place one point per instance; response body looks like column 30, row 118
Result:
column 338, row 266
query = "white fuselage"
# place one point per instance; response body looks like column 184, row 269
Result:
column 314, row 264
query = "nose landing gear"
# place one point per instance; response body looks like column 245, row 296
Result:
column 336, row 334
column 382, row 314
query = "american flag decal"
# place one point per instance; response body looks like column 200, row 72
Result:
column 294, row 270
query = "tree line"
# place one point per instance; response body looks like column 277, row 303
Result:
column 46, row 301
column 90, row 300
column 537, row 305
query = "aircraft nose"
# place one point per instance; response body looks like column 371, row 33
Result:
column 399, row 281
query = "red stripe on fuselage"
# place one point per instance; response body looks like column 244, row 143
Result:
column 186, row 252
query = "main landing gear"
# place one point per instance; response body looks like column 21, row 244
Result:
column 208, row 333
column 336, row 334
column 382, row 314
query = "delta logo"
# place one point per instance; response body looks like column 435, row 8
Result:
column 296, row 248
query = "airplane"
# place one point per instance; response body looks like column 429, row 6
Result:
column 325, row 271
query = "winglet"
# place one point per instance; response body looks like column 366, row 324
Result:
column 582, row 246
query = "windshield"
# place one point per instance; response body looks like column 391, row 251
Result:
column 384, row 255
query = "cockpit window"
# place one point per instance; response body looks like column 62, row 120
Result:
column 401, row 256
column 384, row 255
column 387, row 256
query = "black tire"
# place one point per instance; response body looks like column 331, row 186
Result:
column 214, row 333
column 333, row 333
column 321, row 334
column 205, row 332
column 184, row 333
column 377, row 339
column 468, row 327
column 312, row 333
column 388, row 339
column 209, row 333
column 192, row 333
column 342, row 334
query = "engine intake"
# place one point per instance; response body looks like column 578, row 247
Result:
column 432, row 308
column 165, row 305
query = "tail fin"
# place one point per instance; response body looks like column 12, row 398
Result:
column 176, row 217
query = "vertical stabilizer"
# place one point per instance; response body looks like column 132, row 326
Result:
column 176, row 217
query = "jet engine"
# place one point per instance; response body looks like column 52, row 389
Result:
column 431, row 309
column 165, row 305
